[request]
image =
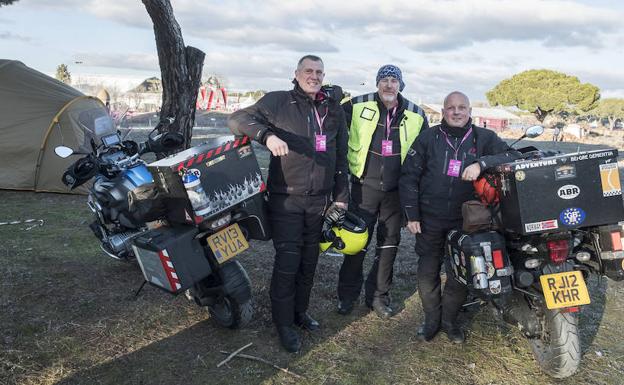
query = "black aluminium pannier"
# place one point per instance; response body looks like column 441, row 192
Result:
column 480, row 261
column 561, row 192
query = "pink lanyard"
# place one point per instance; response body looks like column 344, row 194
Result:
column 460, row 143
column 320, row 120
column 389, row 118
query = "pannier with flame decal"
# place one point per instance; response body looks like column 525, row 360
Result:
column 207, row 180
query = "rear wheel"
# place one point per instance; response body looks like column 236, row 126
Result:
column 558, row 351
column 230, row 313
column 233, row 306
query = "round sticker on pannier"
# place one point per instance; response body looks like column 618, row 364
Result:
column 572, row 216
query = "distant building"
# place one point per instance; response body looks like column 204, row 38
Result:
column 493, row 118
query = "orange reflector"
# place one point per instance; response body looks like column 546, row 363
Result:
column 497, row 258
column 616, row 241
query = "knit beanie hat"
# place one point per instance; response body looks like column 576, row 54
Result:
column 392, row 71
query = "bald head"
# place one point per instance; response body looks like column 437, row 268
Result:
column 457, row 94
column 457, row 110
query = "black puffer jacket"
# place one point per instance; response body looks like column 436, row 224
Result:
column 290, row 116
column 425, row 188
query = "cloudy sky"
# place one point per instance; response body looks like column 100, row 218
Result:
column 441, row 45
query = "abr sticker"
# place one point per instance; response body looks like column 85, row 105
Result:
column 610, row 178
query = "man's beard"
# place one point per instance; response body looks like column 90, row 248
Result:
column 388, row 98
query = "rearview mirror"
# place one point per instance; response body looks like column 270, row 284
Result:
column 534, row 131
column 63, row 151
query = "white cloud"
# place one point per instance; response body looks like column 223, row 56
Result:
column 425, row 25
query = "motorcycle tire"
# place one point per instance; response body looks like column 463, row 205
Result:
column 558, row 351
column 233, row 308
column 229, row 313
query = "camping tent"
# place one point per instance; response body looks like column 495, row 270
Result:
column 38, row 113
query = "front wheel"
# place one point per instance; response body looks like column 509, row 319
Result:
column 558, row 350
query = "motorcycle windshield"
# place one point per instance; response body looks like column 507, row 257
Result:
column 95, row 124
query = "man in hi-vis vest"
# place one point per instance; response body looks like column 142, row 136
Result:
column 382, row 126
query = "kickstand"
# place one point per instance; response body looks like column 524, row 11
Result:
column 140, row 288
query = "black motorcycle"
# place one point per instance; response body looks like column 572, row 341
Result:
column 136, row 220
column 554, row 222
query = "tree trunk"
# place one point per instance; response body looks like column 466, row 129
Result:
column 180, row 69
column 540, row 114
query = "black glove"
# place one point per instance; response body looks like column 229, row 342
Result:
column 335, row 215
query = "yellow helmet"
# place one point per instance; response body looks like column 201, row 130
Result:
column 347, row 234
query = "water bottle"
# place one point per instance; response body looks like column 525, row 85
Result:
column 479, row 272
column 196, row 194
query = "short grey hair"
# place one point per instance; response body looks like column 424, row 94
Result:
column 455, row 93
column 308, row 57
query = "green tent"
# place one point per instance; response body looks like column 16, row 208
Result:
column 37, row 114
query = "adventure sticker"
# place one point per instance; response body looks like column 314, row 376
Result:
column 565, row 172
column 215, row 161
column 572, row 216
column 520, row 175
column 610, row 178
column 541, row 226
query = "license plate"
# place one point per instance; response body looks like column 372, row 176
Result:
column 227, row 243
column 564, row 289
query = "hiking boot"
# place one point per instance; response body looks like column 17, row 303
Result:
column 380, row 308
column 428, row 329
column 289, row 338
column 454, row 332
column 304, row 321
column 345, row 307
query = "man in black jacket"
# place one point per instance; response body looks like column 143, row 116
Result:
column 306, row 133
column 436, row 179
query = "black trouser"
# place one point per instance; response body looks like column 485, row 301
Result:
column 383, row 208
column 296, row 223
column 430, row 249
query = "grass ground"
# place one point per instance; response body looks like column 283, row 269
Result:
column 69, row 315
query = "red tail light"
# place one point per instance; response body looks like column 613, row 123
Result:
column 573, row 309
column 616, row 241
column 558, row 250
column 497, row 258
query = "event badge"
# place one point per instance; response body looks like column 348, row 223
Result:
column 386, row 147
column 454, row 168
column 321, row 143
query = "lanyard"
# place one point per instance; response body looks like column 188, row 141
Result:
column 460, row 143
column 320, row 120
column 389, row 118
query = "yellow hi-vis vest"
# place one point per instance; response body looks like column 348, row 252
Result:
column 364, row 122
